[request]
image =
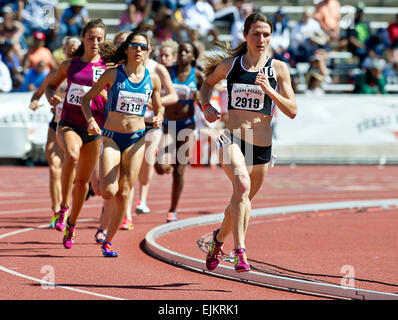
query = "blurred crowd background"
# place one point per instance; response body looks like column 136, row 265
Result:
column 330, row 46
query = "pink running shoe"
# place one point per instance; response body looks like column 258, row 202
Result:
column 60, row 221
column 241, row 264
column 69, row 237
column 127, row 224
column 215, row 252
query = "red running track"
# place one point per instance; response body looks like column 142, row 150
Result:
column 315, row 245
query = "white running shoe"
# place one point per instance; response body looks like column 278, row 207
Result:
column 141, row 207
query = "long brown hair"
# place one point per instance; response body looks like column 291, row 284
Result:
column 119, row 56
column 95, row 23
column 241, row 49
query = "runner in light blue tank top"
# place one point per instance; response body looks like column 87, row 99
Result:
column 131, row 86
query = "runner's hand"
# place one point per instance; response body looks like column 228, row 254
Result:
column 211, row 114
column 55, row 100
column 157, row 121
column 93, row 128
column 262, row 81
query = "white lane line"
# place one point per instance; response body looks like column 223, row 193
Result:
column 47, row 283
column 188, row 262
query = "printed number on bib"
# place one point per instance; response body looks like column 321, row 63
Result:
column 247, row 97
column 97, row 72
column 132, row 102
column 76, row 93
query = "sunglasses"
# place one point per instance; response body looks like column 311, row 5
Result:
column 142, row 46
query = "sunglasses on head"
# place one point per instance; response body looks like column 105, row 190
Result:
column 142, row 46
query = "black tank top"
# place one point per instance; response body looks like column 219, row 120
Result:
column 243, row 94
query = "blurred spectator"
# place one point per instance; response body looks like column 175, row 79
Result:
column 12, row 61
column 39, row 15
column 303, row 30
column 390, row 70
column 120, row 37
column 137, row 10
column 314, row 83
column 372, row 81
column 73, row 18
column 376, row 47
column 237, row 27
column 5, row 78
column 171, row 5
column 316, row 42
column 225, row 10
column 38, row 52
column 200, row 15
column 69, row 44
column 166, row 27
column 327, row 13
column 280, row 39
column 12, row 31
column 318, row 64
column 355, row 37
column 168, row 52
column 34, row 77
column 393, row 31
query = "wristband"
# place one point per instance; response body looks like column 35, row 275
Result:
column 205, row 106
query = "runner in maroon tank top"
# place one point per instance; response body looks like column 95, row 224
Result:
column 81, row 150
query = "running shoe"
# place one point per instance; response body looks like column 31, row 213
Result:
column 100, row 236
column 215, row 252
column 171, row 216
column 60, row 220
column 240, row 263
column 127, row 224
column 69, row 236
column 107, row 250
column 141, row 207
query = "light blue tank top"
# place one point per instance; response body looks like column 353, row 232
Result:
column 185, row 88
column 128, row 97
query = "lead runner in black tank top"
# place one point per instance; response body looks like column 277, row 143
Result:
column 256, row 84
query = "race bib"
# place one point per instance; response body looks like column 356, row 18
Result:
column 247, row 97
column 97, row 72
column 132, row 102
column 76, row 93
column 183, row 91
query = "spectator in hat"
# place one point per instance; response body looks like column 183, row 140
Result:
column 74, row 18
column 38, row 52
column 314, row 83
column 372, row 81
column 327, row 13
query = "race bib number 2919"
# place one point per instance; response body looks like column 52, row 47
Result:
column 247, row 97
